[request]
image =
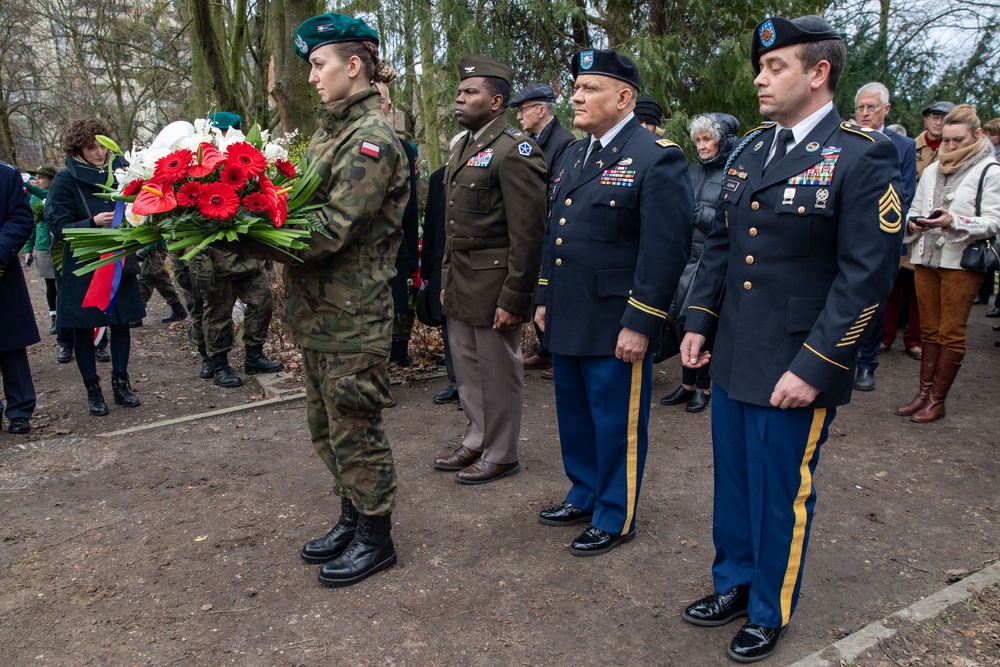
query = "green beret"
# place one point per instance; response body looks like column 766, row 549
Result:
column 776, row 32
column 44, row 170
column 472, row 65
column 330, row 29
column 225, row 120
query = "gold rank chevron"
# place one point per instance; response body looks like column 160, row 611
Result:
column 887, row 205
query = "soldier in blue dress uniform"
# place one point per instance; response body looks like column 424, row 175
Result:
column 800, row 258
column 617, row 240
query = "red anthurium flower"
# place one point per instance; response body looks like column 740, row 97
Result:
column 278, row 209
column 207, row 159
column 156, row 197
column 257, row 202
column 133, row 188
column 174, row 166
column 247, row 157
column 187, row 196
column 285, row 168
column 233, row 174
column 217, row 200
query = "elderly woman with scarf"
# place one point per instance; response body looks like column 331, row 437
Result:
column 714, row 136
column 957, row 203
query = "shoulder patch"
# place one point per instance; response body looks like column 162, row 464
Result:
column 371, row 150
column 763, row 126
column 865, row 132
column 524, row 148
column 665, row 143
column 890, row 211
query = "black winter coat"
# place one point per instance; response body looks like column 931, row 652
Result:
column 16, row 224
column 65, row 208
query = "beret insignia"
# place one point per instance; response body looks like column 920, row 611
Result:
column 767, row 33
column 586, row 59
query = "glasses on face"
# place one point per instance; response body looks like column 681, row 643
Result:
column 524, row 108
column 870, row 108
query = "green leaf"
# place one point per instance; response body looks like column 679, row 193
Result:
column 108, row 143
column 254, row 137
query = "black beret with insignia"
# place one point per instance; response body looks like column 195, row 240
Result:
column 606, row 63
column 534, row 92
column 472, row 65
column 776, row 32
column 330, row 29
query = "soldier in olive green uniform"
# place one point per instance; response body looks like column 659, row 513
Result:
column 338, row 305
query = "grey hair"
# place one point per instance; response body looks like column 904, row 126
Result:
column 897, row 128
column 550, row 107
column 873, row 87
column 705, row 123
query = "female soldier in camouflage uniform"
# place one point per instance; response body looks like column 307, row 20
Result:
column 338, row 306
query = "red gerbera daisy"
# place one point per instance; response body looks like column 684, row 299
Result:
column 285, row 168
column 218, row 200
column 233, row 174
column 174, row 166
column 248, row 157
column 187, row 196
column 133, row 188
column 156, row 197
column 255, row 201
column 206, row 160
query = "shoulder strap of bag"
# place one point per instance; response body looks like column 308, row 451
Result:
column 979, row 189
column 91, row 215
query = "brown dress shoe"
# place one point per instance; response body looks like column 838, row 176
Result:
column 535, row 362
column 462, row 457
column 549, row 374
column 483, row 472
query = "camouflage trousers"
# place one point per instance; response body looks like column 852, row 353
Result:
column 345, row 396
column 154, row 275
column 213, row 321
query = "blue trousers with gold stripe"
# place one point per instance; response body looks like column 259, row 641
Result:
column 765, row 459
column 602, row 405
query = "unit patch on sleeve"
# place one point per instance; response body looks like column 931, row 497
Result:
column 618, row 175
column 371, row 150
column 524, row 149
column 480, row 159
column 890, row 211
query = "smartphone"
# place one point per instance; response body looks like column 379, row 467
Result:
column 916, row 219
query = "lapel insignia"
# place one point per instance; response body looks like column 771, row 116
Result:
column 577, row 164
column 757, row 146
column 481, row 159
column 614, row 149
column 812, row 147
column 618, row 175
column 890, row 211
column 600, row 164
column 821, row 196
column 524, row 149
column 788, row 197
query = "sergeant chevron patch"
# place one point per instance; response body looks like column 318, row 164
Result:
column 890, row 211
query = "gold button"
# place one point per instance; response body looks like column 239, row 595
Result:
column 755, row 205
column 747, row 285
column 568, row 201
column 453, row 184
column 562, row 221
column 496, row 262
column 558, row 261
column 558, row 241
column 753, row 231
column 749, row 259
column 612, row 202
column 452, row 221
column 802, row 209
column 451, row 203
column 472, row 185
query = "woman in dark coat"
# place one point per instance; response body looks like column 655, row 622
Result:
column 714, row 136
column 72, row 204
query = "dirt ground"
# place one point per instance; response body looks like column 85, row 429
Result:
column 179, row 544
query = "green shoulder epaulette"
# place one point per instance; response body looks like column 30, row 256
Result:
column 865, row 132
column 763, row 126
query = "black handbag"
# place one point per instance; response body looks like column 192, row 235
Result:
column 981, row 255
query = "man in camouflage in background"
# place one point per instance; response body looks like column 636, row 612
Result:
column 155, row 275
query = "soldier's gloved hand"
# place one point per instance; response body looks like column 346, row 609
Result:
column 142, row 255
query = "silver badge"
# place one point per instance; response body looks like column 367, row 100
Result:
column 789, row 196
column 821, row 196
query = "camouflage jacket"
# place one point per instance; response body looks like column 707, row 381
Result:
column 338, row 298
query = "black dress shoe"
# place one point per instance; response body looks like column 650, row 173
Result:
column 713, row 610
column 979, row 300
column 102, row 355
column 19, row 425
column 447, row 395
column 754, row 642
column 865, row 380
column 564, row 515
column 64, row 355
column 682, row 395
column 994, row 313
column 699, row 401
column 594, row 542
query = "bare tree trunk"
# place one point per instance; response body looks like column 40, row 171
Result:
column 292, row 92
column 428, row 103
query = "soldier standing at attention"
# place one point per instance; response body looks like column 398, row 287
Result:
column 338, row 303
column 495, row 218
column 617, row 241
column 806, row 239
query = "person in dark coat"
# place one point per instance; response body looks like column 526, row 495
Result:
column 72, row 203
column 714, row 136
column 19, row 330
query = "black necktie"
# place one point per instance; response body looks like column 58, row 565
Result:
column 594, row 150
column 785, row 137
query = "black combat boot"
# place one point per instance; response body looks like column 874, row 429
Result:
column 65, row 354
column 177, row 313
column 52, row 329
column 256, row 362
column 95, row 398
column 122, row 391
column 223, row 372
column 398, row 353
column 337, row 540
column 207, row 372
column 371, row 551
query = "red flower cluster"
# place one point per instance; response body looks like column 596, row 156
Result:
column 216, row 184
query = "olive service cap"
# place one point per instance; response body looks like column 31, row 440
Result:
column 44, row 170
column 471, row 65
column 939, row 107
column 648, row 111
column 330, row 29
column 534, row 92
column 606, row 63
column 776, row 32
column 225, row 120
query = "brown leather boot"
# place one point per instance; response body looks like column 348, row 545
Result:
column 948, row 364
column 928, row 363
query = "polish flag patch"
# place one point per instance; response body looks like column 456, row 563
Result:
column 371, row 150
